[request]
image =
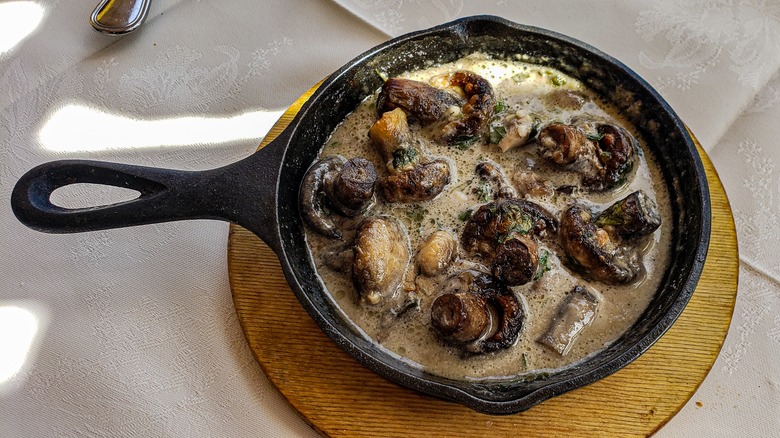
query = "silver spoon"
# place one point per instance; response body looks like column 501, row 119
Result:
column 118, row 17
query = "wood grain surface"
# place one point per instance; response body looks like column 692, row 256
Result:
column 339, row 397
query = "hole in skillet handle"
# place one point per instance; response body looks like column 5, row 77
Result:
column 85, row 195
column 667, row 141
column 32, row 205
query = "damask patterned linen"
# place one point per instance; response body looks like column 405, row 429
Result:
column 132, row 332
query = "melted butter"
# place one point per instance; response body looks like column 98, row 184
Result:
column 520, row 86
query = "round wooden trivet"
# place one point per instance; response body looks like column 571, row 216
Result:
column 339, row 397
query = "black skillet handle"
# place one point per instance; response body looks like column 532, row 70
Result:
column 242, row 192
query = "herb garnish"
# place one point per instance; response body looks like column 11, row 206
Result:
column 544, row 264
column 613, row 216
column 416, row 214
column 464, row 142
column 403, row 157
column 465, row 214
column 496, row 133
column 595, row 137
column 497, row 130
column 484, row 190
column 557, row 80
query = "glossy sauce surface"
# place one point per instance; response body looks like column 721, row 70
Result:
column 519, row 87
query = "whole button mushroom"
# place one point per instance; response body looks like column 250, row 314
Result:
column 380, row 258
column 411, row 177
column 504, row 231
column 334, row 183
column 477, row 313
column 603, row 245
column 352, row 188
column 436, row 253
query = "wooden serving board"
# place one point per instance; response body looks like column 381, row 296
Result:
column 339, row 397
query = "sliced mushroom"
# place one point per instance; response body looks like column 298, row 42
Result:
column 436, row 253
column 575, row 314
column 381, row 255
column 477, row 313
column 594, row 251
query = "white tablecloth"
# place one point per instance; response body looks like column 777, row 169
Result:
column 132, row 332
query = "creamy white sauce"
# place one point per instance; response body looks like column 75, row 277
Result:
column 520, row 86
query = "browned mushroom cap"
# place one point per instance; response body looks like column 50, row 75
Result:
column 593, row 250
column 634, row 216
column 617, row 148
column 477, row 313
column 334, row 183
column 425, row 102
column 493, row 222
column 516, row 260
column 421, row 183
column 381, row 255
column 352, row 189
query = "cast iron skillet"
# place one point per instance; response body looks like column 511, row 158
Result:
column 260, row 193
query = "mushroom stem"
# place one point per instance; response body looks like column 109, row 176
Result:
column 352, row 189
column 516, row 260
column 460, row 317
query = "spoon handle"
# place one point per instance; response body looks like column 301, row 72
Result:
column 118, row 17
